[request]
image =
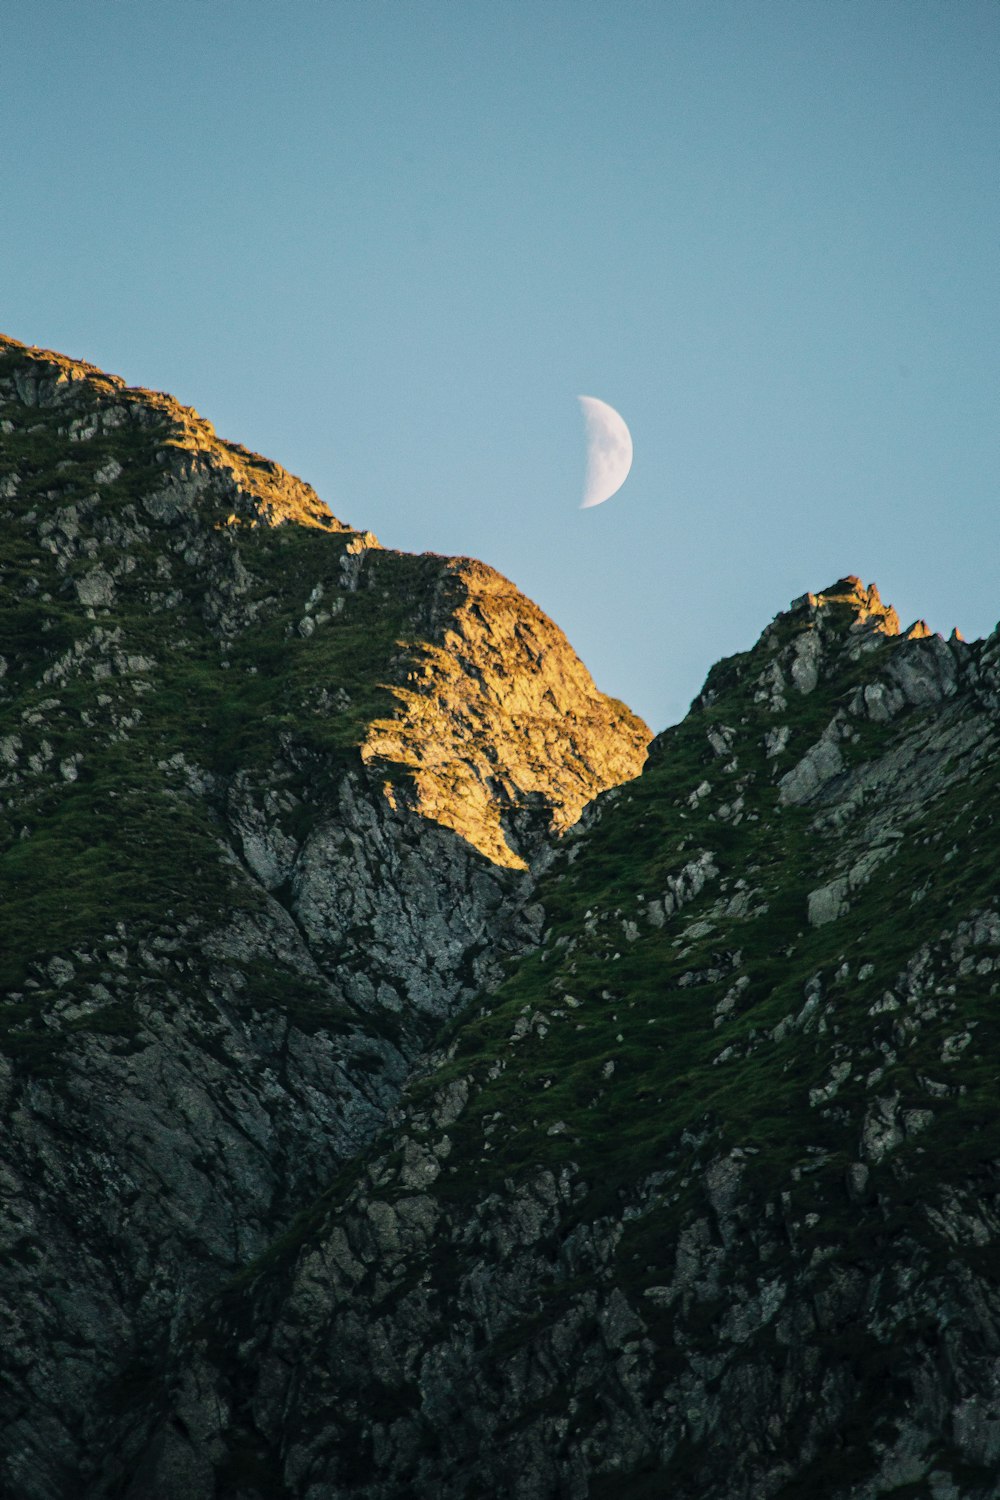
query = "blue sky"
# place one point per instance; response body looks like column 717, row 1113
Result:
column 389, row 244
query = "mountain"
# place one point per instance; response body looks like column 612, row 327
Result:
column 702, row 1200
column 380, row 1126
column 270, row 798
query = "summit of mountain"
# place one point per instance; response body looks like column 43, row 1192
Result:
column 180, row 546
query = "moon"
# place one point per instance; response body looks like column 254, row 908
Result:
column 609, row 451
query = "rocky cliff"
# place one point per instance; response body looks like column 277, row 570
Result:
column 373, row 1128
column 702, row 1200
column 270, row 796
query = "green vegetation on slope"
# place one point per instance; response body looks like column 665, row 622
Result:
column 626, row 1050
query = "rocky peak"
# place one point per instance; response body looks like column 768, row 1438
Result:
column 821, row 635
column 495, row 728
column 483, row 708
column 848, row 605
column 66, row 399
column 863, row 605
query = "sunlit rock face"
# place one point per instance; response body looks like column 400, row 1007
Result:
column 500, row 726
column 267, row 823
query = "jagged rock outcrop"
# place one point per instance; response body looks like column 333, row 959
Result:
column 501, row 724
column 704, row 1199
column 253, row 853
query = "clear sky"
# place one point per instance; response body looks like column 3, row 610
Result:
column 388, row 244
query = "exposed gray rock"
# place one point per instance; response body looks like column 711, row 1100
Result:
column 819, row 766
column 828, row 902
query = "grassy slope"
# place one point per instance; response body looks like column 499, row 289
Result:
column 657, row 992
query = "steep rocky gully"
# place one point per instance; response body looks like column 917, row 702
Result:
column 376, row 1129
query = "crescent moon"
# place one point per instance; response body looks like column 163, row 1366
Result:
column 609, row 451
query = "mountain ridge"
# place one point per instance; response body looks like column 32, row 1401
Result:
column 376, row 1125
